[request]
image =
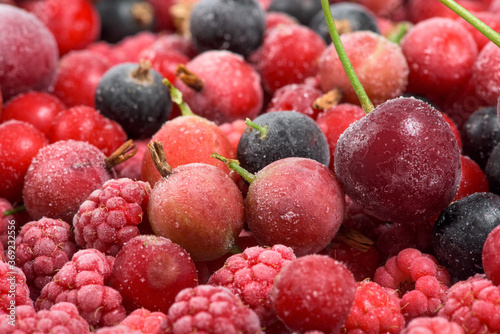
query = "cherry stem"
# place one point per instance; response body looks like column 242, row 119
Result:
column 122, row 154
column 484, row 29
column 261, row 129
column 18, row 209
column 366, row 104
column 159, row 158
column 399, row 32
column 176, row 96
column 235, row 165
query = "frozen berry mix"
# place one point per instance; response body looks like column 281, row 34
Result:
column 111, row 215
column 42, row 248
column 250, row 276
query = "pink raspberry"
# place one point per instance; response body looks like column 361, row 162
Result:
column 42, row 248
column 375, row 310
column 474, row 304
column 62, row 318
column 81, row 282
column 210, row 309
column 119, row 329
column 432, row 325
column 111, row 215
column 250, row 276
column 233, row 131
column 5, row 222
column 420, row 281
column 13, row 288
column 144, row 321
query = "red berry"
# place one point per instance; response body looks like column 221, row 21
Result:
column 78, row 76
column 421, row 283
column 474, row 305
column 233, row 131
column 37, row 108
column 164, row 61
column 81, row 281
column 62, row 318
column 484, row 74
column 85, row 123
column 296, row 97
column 111, row 215
column 313, row 292
column 20, row 142
column 29, row 52
column 490, row 259
column 369, row 54
column 13, row 288
column 210, row 309
column 432, row 325
column 74, row 24
column 42, row 248
column 375, row 310
column 144, row 321
column 175, row 42
column 250, row 276
column 149, row 271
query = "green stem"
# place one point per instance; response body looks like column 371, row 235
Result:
column 491, row 34
column 261, row 129
column 399, row 32
column 176, row 96
column 234, row 165
column 235, row 249
column 366, row 104
column 18, row 209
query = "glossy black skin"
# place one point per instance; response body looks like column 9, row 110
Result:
column 480, row 134
column 117, row 20
column 302, row 10
column 492, row 170
column 461, row 230
column 234, row 25
column 290, row 134
column 140, row 108
column 358, row 16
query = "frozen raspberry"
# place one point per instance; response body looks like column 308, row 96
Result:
column 432, row 325
column 111, row 215
column 144, row 321
column 5, row 222
column 375, row 310
column 62, row 318
column 2, row 254
column 420, row 281
column 474, row 304
column 233, row 131
column 250, row 276
column 490, row 258
column 81, row 282
column 13, row 288
column 42, row 248
column 210, row 309
column 118, row 329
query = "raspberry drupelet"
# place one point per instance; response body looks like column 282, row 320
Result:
column 375, row 310
column 42, row 248
column 144, row 321
column 432, row 325
column 210, row 309
column 81, row 282
column 111, row 215
column 250, row 276
column 474, row 304
column 62, row 318
column 421, row 282
column 12, row 284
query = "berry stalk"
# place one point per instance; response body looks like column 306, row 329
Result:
column 366, row 104
column 491, row 34
column 234, row 165
column 176, row 96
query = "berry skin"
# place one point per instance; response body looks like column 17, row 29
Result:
column 313, row 292
column 144, row 321
column 474, row 304
column 42, row 248
column 250, row 276
column 118, row 329
column 62, row 318
column 81, row 282
column 111, row 215
column 491, row 260
column 210, row 309
column 375, row 310
column 420, row 281
column 432, row 325
column 13, row 288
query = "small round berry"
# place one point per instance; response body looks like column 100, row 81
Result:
column 490, row 258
